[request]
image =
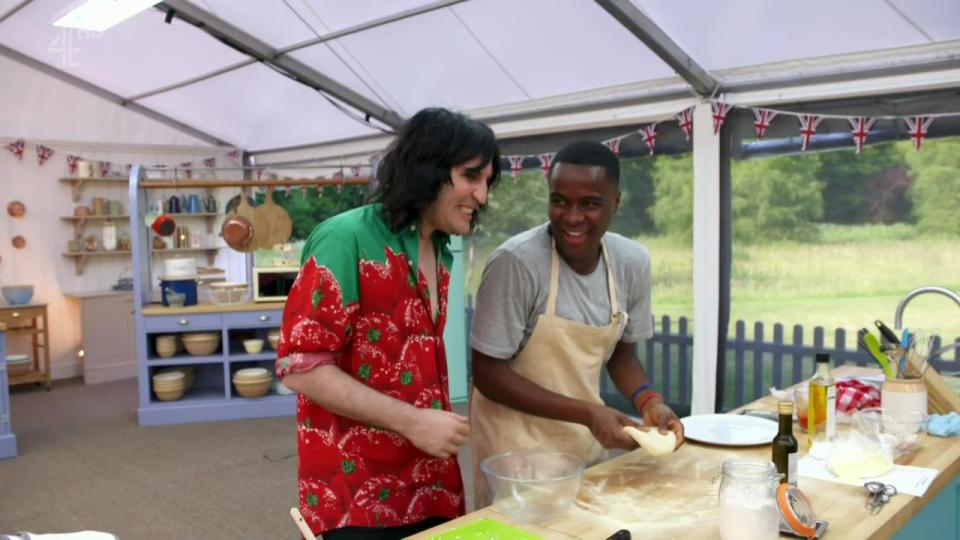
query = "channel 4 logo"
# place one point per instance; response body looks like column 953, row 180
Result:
column 67, row 45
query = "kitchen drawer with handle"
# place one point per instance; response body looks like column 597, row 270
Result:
column 253, row 319
column 19, row 316
column 182, row 323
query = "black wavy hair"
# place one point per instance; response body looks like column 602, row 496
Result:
column 419, row 159
column 590, row 153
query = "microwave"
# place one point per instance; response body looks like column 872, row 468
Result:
column 273, row 284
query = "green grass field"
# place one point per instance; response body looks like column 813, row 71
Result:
column 851, row 277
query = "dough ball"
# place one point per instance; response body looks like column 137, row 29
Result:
column 655, row 443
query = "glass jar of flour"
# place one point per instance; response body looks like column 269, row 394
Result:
column 748, row 500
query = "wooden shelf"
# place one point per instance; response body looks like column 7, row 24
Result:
column 103, row 253
column 183, row 250
column 81, row 219
column 76, row 184
column 81, row 256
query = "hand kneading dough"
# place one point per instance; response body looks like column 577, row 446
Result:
column 655, row 443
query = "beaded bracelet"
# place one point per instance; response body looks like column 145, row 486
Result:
column 649, row 396
column 638, row 391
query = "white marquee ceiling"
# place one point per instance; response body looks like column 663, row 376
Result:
column 470, row 55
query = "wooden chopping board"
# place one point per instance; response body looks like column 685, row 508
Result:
column 279, row 223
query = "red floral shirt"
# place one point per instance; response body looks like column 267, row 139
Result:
column 356, row 304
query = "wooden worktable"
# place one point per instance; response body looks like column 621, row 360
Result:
column 158, row 309
column 676, row 496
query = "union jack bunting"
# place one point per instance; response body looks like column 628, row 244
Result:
column 918, row 129
column 17, row 148
column 210, row 162
column 685, row 119
column 545, row 161
column 614, row 145
column 720, row 110
column 861, row 128
column 355, row 171
column 43, row 154
column 808, row 126
column 259, row 173
column 234, row 155
column 187, row 169
column 105, row 167
column 649, row 135
column 761, row 121
column 516, row 167
column 73, row 163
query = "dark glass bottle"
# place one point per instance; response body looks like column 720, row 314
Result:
column 785, row 445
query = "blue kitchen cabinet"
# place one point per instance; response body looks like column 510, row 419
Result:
column 940, row 518
column 8, row 441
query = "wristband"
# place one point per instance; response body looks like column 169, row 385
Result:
column 638, row 391
column 644, row 401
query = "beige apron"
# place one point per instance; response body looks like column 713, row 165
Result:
column 562, row 356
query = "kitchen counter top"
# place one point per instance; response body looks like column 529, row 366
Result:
column 158, row 309
column 96, row 294
column 676, row 496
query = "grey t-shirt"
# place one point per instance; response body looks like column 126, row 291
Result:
column 516, row 282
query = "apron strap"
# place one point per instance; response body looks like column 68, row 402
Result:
column 611, row 284
column 554, row 278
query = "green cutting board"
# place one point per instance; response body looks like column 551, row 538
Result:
column 485, row 529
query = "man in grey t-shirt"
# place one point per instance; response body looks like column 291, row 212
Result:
column 556, row 305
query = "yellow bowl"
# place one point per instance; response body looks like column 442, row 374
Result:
column 253, row 389
column 169, row 395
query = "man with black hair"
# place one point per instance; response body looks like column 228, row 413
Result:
column 362, row 339
column 543, row 331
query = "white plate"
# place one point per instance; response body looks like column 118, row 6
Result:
column 17, row 359
column 729, row 429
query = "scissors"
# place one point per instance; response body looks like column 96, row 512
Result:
column 878, row 494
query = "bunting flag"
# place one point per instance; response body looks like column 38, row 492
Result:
column 918, row 129
column 259, row 173
column 720, row 110
column 234, row 156
column 210, row 163
column 614, row 145
column 545, row 161
column 73, row 163
column 17, row 148
column 43, row 154
column 649, row 135
column 861, row 128
column 187, row 168
column 762, row 119
column 355, row 171
column 685, row 119
column 105, row 168
column 808, row 126
column 129, row 168
column 516, row 167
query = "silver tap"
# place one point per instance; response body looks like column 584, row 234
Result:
column 898, row 315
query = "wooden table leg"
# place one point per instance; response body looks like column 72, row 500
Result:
column 46, row 348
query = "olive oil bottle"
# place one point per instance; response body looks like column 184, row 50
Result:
column 785, row 445
column 822, row 414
